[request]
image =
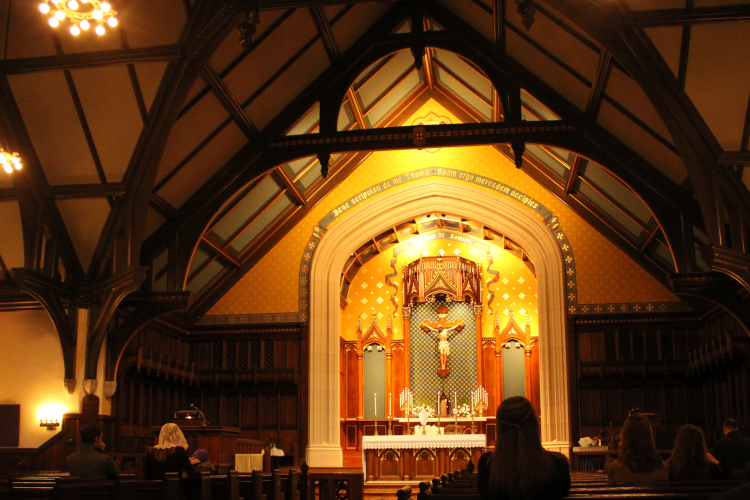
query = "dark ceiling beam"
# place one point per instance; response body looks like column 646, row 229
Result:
column 359, row 117
column 696, row 15
column 324, row 30
column 227, row 100
column 163, row 207
column 684, row 53
column 31, row 184
column 735, row 158
column 597, row 87
column 499, row 19
column 436, row 136
column 159, row 53
column 124, row 230
column 291, row 187
column 221, row 251
column 573, row 176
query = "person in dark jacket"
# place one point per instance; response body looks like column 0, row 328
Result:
column 689, row 460
column 90, row 462
column 733, row 450
column 520, row 468
column 169, row 455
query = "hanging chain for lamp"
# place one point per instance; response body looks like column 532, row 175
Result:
column 81, row 13
column 10, row 161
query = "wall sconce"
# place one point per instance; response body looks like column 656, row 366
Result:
column 49, row 424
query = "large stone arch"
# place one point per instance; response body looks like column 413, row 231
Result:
column 420, row 198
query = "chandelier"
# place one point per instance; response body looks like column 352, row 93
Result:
column 10, row 161
column 81, row 13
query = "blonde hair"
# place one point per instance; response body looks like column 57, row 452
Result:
column 171, row 436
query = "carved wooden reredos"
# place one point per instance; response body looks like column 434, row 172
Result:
column 458, row 278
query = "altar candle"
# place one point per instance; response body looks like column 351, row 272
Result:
column 376, row 406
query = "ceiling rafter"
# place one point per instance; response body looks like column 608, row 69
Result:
column 229, row 103
column 499, row 20
column 695, row 15
column 290, row 185
column 324, row 30
column 163, row 207
column 684, row 52
column 221, row 251
column 161, row 53
column 70, row 191
column 356, row 109
column 140, row 101
column 597, row 88
column 573, row 176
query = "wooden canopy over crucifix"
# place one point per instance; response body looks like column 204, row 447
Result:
column 443, row 327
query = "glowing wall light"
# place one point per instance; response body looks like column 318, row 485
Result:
column 82, row 14
column 50, row 415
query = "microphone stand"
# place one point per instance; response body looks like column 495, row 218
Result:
column 205, row 422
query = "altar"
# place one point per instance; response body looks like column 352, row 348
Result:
column 409, row 457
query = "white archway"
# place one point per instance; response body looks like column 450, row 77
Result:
column 409, row 201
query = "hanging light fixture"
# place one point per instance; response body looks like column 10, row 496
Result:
column 81, row 13
column 10, row 161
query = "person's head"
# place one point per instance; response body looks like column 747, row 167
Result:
column 638, row 447
column 730, row 425
column 201, row 455
column 92, row 434
column 688, row 460
column 171, row 436
column 518, row 463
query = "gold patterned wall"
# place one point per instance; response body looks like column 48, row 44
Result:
column 515, row 288
column 605, row 274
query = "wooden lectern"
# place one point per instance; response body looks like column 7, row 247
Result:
column 219, row 440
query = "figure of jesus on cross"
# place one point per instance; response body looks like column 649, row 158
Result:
column 443, row 327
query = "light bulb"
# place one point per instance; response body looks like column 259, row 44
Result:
column 112, row 21
column 16, row 160
column 105, row 7
column 44, row 8
column 60, row 15
column 18, row 165
column 53, row 22
column 75, row 30
column 8, row 168
column 72, row 5
column 100, row 30
column 84, row 25
column 98, row 14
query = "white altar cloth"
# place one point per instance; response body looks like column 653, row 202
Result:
column 415, row 442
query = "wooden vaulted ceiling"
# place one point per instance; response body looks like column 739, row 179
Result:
column 154, row 145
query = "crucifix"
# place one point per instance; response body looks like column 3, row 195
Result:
column 443, row 327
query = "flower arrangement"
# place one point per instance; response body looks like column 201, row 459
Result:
column 464, row 410
column 416, row 410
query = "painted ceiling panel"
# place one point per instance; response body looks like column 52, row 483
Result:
column 203, row 165
column 245, row 209
column 231, row 48
column 295, row 79
column 28, row 35
column 149, row 79
column 479, row 18
column 11, row 244
column 355, row 22
column 247, row 236
column 718, row 78
column 642, row 142
column 106, row 93
column 746, row 177
column 458, row 65
column 655, row 4
column 599, row 176
column 205, row 276
column 466, row 94
column 396, row 66
column 195, row 125
column 631, row 96
column 271, row 55
column 153, row 220
column 549, row 71
column 84, row 219
column 332, row 11
column 52, row 122
column 392, row 99
column 308, row 122
column 668, row 40
column 558, row 42
column 147, row 23
column 539, row 110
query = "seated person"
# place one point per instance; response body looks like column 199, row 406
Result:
column 638, row 463
column 520, row 468
column 90, row 462
column 169, row 455
column 733, row 450
column 689, row 460
column 200, row 462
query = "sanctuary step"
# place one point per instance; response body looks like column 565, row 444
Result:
column 386, row 490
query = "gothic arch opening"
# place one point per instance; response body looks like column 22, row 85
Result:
column 411, row 200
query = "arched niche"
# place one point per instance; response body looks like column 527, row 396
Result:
column 414, row 199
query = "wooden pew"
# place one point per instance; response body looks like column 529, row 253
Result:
column 277, row 485
column 226, row 487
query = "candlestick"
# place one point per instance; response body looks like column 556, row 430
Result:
column 376, row 406
column 471, row 410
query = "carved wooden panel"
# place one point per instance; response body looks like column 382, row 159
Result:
column 352, row 442
column 425, row 465
column 389, row 464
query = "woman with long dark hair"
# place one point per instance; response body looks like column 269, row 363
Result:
column 638, row 464
column 520, row 469
column 689, row 459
